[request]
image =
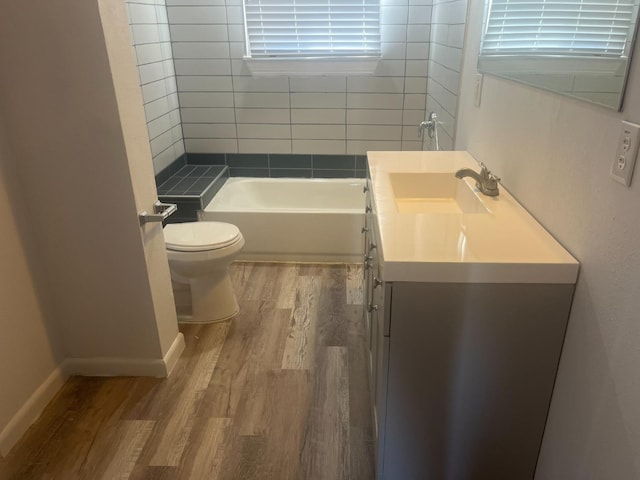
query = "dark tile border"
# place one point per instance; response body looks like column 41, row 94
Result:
column 187, row 209
column 191, row 188
column 334, row 162
column 207, row 159
column 249, row 172
column 290, row 173
column 333, row 173
column 289, row 161
column 279, row 165
column 191, row 180
column 248, row 160
column 172, row 168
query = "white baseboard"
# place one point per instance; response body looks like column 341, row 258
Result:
column 31, row 410
column 126, row 367
column 94, row 367
column 173, row 354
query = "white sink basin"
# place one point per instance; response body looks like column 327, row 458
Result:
column 434, row 227
column 420, row 192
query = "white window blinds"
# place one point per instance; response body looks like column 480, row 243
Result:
column 601, row 28
column 310, row 28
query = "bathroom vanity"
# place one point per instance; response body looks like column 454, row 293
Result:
column 467, row 301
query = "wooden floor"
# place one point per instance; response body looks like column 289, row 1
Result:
column 280, row 392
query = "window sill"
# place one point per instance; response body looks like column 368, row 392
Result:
column 311, row 67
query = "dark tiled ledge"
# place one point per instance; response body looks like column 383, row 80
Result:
column 175, row 166
column 191, row 188
column 285, row 165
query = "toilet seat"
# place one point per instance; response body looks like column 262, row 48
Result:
column 200, row 236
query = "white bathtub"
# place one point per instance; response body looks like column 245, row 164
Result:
column 291, row 219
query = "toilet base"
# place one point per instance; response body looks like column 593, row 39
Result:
column 212, row 299
column 190, row 319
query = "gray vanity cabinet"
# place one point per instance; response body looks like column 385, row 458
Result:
column 470, row 375
column 376, row 316
column 461, row 373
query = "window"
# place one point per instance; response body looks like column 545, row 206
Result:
column 574, row 28
column 303, row 29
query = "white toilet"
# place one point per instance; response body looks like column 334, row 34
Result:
column 199, row 255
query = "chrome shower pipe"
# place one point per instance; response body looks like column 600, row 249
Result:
column 431, row 125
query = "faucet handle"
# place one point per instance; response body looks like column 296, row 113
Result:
column 421, row 128
column 486, row 173
column 493, row 176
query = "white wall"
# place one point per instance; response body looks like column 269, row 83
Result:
column 226, row 110
column 62, row 120
column 152, row 45
column 76, row 155
column 554, row 155
column 445, row 61
column 30, row 349
column 155, row 291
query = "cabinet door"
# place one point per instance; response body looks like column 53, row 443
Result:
column 381, row 298
column 367, row 271
column 373, row 349
column 369, row 268
column 470, row 377
column 368, row 298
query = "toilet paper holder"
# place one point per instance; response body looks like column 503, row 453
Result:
column 161, row 212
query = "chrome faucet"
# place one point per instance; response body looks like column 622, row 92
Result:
column 431, row 125
column 486, row 181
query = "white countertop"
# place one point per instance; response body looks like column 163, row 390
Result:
column 504, row 245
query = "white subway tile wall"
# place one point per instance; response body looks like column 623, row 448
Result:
column 445, row 58
column 152, row 44
column 226, row 110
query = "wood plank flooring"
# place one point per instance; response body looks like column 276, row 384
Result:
column 280, row 392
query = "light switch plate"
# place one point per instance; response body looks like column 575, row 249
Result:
column 626, row 153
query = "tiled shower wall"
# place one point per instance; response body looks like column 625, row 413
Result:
column 152, row 45
column 225, row 109
column 445, row 63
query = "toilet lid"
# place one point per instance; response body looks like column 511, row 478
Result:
column 199, row 236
